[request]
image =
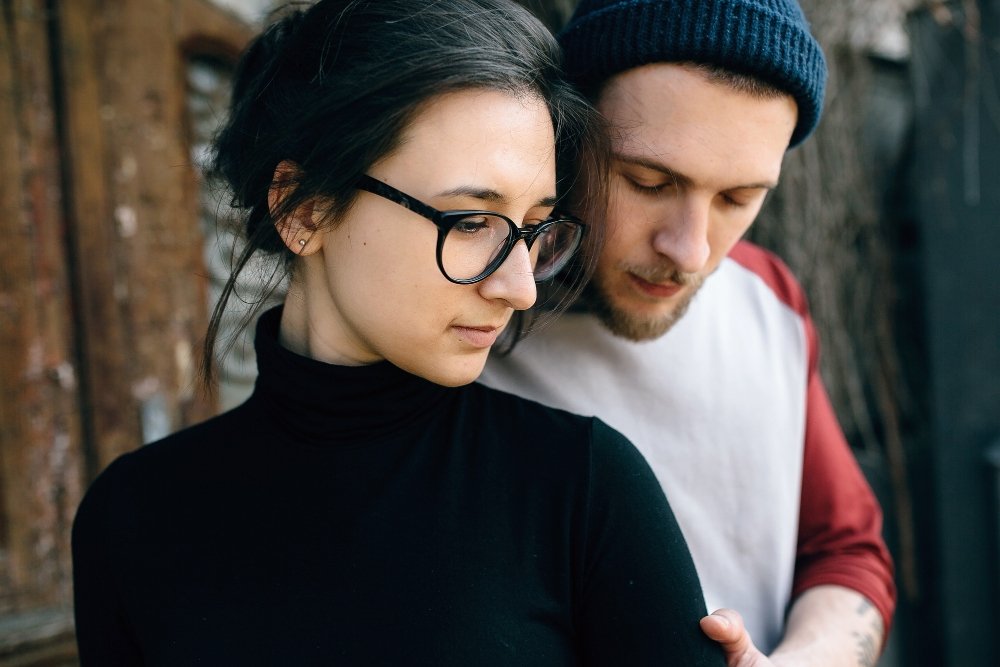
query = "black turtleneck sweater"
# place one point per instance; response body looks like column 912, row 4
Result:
column 364, row 516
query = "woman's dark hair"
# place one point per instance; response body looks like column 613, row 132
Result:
column 331, row 88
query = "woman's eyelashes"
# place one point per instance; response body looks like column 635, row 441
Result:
column 542, row 218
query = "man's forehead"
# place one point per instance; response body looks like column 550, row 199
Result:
column 652, row 137
column 648, row 107
column 675, row 115
column 628, row 93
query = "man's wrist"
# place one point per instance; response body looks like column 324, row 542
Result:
column 831, row 626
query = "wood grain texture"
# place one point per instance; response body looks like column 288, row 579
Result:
column 40, row 437
column 102, row 282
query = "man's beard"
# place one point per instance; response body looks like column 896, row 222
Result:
column 639, row 327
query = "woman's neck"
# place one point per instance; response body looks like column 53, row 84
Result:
column 311, row 327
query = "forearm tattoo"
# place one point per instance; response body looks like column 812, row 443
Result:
column 868, row 643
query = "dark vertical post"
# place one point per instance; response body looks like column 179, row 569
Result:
column 957, row 169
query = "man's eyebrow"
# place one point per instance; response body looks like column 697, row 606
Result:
column 492, row 196
column 680, row 178
column 652, row 165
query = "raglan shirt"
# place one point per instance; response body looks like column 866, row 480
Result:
column 364, row 516
column 730, row 412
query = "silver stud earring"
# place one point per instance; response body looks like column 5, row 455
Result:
column 302, row 242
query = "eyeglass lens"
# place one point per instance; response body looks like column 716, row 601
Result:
column 474, row 243
column 554, row 248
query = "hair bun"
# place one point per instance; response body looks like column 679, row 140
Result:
column 265, row 56
column 281, row 34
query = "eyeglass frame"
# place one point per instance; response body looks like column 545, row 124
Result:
column 446, row 220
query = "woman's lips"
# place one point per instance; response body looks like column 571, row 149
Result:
column 478, row 336
column 655, row 289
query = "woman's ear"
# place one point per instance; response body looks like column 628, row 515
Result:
column 297, row 227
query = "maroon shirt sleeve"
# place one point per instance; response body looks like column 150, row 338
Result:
column 840, row 521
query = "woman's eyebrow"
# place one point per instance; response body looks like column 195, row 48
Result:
column 487, row 194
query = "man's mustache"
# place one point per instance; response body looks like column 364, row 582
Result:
column 664, row 274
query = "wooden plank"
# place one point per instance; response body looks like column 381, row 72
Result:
column 111, row 420
column 26, row 637
column 206, row 29
column 102, row 286
column 156, row 211
column 143, row 287
column 40, row 439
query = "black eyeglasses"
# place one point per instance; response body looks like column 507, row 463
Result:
column 473, row 244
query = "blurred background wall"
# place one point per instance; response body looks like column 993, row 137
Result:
column 113, row 245
column 103, row 278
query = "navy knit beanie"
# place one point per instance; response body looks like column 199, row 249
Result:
column 768, row 39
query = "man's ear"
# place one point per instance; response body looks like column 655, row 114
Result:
column 297, row 228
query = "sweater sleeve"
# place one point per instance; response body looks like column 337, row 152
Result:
column 639, row 598
column 840, row 521
column 101, row 633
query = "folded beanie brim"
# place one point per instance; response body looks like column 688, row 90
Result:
column 768, row 40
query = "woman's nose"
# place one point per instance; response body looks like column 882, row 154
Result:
column 513, row 281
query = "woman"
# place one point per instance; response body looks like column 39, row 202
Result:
column 367, row 505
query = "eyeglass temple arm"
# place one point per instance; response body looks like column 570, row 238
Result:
column 375, row 186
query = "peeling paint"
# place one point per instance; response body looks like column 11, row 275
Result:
column 154, row 417
column 129, row 167
column 65, row 375
column 184, row 359
column 35, row 366
column 59, row 455
column 145, row 388
column 127, row 221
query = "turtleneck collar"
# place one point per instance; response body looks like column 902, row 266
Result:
column 324, row 403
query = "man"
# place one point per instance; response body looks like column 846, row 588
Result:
column 698, row 346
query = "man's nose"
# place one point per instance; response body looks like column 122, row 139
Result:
column 682, row 235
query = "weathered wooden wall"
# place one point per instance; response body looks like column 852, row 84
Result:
column 102, row 282
column 133, row 207
column 41, row 471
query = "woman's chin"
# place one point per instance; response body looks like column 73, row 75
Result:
column 454, row 372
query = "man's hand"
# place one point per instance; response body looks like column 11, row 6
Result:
column 726, row 627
